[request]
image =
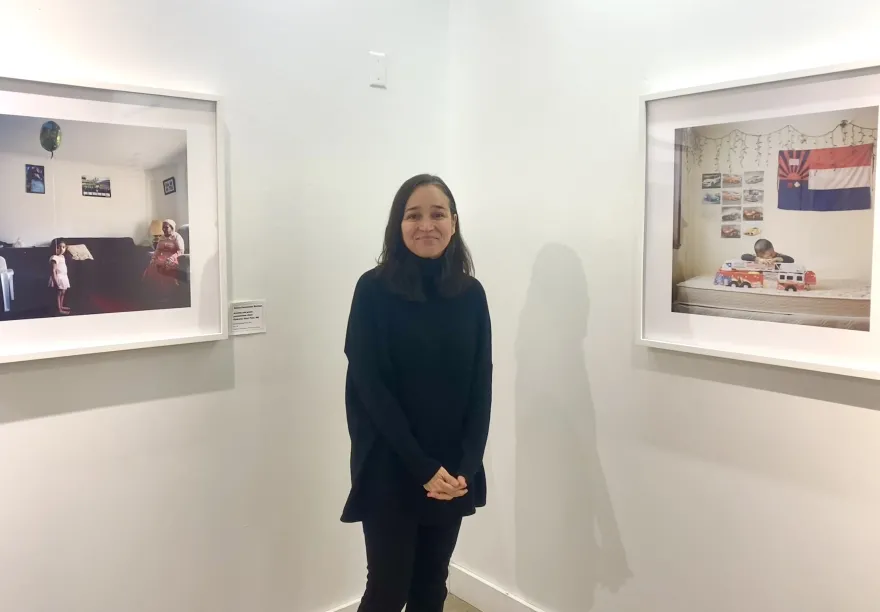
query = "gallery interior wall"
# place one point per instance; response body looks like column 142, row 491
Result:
column 212, row 477
column 719, row 485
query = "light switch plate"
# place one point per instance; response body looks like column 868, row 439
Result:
column 378, row 70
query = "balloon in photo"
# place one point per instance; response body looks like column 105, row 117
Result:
column 50, row 137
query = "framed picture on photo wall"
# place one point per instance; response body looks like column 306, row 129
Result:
column 126, row 266
column 767, row 189
column 96, row 187
column 35, row 179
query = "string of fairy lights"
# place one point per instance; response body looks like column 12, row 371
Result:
column 741, row 145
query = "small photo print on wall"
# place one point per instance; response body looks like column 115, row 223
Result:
column 35, row 179
column 797, row 220
column 731, row 213
column 711, row 197
column 753, row 213
column 730, row 197
column 96, row 187
column 712, row 181
column 754, row 178
column 751, row 230
column 754, row 196
column 732, row 180
column 169, row 186
column 730, row 230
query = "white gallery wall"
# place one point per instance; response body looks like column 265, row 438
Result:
column 692, row 484
column 211, row 478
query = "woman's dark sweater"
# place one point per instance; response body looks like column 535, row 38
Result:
column 417, row 397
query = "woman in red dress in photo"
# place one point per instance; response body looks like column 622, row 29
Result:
column 162, row 273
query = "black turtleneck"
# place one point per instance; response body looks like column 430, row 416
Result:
column 418, row 395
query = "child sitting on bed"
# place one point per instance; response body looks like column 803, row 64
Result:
column 766, row 254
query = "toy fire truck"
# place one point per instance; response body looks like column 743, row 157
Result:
column 781, row 276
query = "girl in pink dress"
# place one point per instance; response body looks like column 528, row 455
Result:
column 58, row 276
column 162, row 273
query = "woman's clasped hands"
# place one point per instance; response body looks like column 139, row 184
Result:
column 446, row 487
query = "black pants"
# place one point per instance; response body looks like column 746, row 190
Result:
column 407, row 564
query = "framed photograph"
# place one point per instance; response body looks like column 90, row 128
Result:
column 96, row 187
column 91, row 278
column 35, row 179
column 781, row 272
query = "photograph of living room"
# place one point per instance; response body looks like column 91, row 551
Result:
column 65, row 254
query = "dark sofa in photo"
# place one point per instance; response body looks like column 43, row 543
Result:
column 110, row 282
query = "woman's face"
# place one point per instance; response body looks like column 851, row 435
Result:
column 428, row 225
column 167, row 229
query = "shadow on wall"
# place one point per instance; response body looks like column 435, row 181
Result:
column 567, row 539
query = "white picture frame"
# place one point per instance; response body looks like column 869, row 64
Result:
column 837, row 351
column 205, row 316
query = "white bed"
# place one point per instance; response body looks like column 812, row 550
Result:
column 844, row 304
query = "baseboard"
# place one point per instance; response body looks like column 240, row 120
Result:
column 349, row 607
column 476, row 591
column 484, row 595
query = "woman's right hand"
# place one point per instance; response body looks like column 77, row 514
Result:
column 443, row 486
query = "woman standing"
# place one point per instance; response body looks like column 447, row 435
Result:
column 418, row 395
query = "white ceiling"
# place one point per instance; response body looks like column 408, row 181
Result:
column 103, row 144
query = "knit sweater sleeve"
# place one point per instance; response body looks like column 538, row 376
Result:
column 365, row 360
column 476, row 430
